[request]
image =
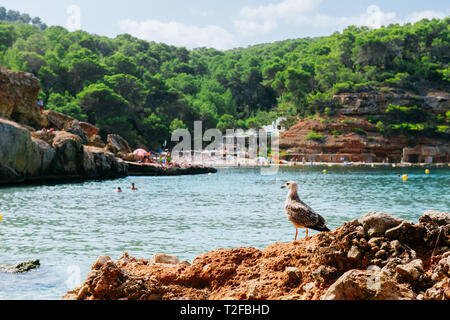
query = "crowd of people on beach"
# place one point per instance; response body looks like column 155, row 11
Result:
column 162, row 158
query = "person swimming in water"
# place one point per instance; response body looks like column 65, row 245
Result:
column 133, row 188
column 119, row 189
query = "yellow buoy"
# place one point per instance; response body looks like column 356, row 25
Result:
column 1, row 217
column 324, row 171
column 405, row 177
column 427, row 171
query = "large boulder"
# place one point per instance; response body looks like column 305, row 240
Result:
column 58, row 121
column 96, row 141
column 105, row 272
column 76, row 129
column 63, row 122
column 21, row 154
column 164, row 259
column 89, row 129
column 68, row 153
column 16, row 147
column 117, row 144
column 411, row 271
column 370, row 284
column 46, row 155
column 376, row 223
column 18, row 98
column 100, row 163
column 436, row 217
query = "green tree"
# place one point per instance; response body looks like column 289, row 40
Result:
column 226, row 121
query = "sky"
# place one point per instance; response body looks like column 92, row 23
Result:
column 225, row 24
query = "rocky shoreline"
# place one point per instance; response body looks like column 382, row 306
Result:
column 28, row 157
column 50, row 147
column 136, row 169
column 378, row 257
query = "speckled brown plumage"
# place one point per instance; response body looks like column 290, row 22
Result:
column 299, row 213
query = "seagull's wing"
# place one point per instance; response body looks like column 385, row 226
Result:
column 303, row 215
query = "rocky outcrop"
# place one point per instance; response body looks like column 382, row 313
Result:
column 375, row 102
column 59, row 155
column 355, row 140
column 98, row 162
column 19, row 154
column 117, row 144
column 364, row 259
column 18, row 98
column 38, row 146
column 137, row 169
column 20, row 267
column 86, row 131
column 349, row 135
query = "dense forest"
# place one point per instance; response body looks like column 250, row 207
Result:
column 145, row 90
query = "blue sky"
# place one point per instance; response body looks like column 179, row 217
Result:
column 225, row 24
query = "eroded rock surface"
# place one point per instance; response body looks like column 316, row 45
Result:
column 346, row 263
column 20, row 267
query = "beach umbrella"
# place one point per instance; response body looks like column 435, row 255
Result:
column 140, row 152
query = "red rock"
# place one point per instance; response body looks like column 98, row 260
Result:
column 305, row 269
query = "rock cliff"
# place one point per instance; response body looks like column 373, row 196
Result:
column 373, row 103
column 72, row 150
column 18, row 98
column 32, row 156
column 378, row 257
column 50, row 146
column 349, row 134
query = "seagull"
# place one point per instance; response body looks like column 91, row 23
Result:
column 300, row 214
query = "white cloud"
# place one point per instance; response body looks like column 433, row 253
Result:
column 374, row 17
column 417, row 16
column 265, row 18
column 179, row 34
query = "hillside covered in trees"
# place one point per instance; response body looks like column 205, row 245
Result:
column 145, row 90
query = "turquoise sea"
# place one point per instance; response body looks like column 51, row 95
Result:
column 67, row 226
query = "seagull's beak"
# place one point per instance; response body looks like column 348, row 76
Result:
column 283, row 187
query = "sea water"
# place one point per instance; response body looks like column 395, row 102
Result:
column 67, row 226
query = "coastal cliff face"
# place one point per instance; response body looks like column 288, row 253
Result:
column 72, row 151
column 377, row 257
column 374, row 103
column 351, row 136
column 18, row 98
column 67, row 149
column 31, row 156
column 340, row 140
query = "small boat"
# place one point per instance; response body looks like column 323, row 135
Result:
column 347, row 164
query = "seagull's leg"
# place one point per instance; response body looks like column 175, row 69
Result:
column 296, row 234
column 306, row 233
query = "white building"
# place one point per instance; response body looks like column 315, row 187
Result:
column 275, row 127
